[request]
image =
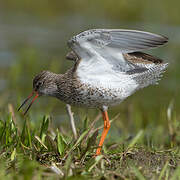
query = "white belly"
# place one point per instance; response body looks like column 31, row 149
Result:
column 98, row 96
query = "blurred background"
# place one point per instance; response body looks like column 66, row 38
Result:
column 33, row 36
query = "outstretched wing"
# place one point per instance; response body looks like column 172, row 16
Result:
column 124, row 41
column 101, row 51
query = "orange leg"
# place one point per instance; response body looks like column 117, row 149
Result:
column 105, row 131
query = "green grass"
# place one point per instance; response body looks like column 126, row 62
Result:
column 32, row 150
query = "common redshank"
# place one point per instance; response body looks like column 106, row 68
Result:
column 108, row 68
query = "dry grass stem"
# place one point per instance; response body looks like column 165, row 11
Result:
column 71, row 117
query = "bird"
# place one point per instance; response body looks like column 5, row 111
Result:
column 109, row 66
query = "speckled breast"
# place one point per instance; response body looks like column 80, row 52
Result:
column 80, row 94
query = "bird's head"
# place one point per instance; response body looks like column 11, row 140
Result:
column 44, row 84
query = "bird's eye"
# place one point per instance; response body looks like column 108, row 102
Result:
column 39, row 84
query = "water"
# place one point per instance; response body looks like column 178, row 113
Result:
column 50, row 38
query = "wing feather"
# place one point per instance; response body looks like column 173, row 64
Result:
column 101, row 52
column 126, row 41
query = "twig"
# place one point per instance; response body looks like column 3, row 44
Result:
column 91, row 128
column 101, row 127
column 172, row 133
column 95, row 120
column 70, row 114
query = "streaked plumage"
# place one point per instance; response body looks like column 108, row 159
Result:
column 108, row 68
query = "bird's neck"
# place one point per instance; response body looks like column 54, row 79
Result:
column 64, row 85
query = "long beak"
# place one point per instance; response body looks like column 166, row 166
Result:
column 26, row 100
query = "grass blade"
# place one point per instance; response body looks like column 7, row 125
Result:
column 29, row 135
column 60, row 143
column 138, row 173
column 23, row 133
column 44, row 126
column 163, row 170
column 92, row 163
column 176, row 174
column 13, row 154
column 80, row 139
column 135, row 139
column 40, row 141
column 77, row 142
